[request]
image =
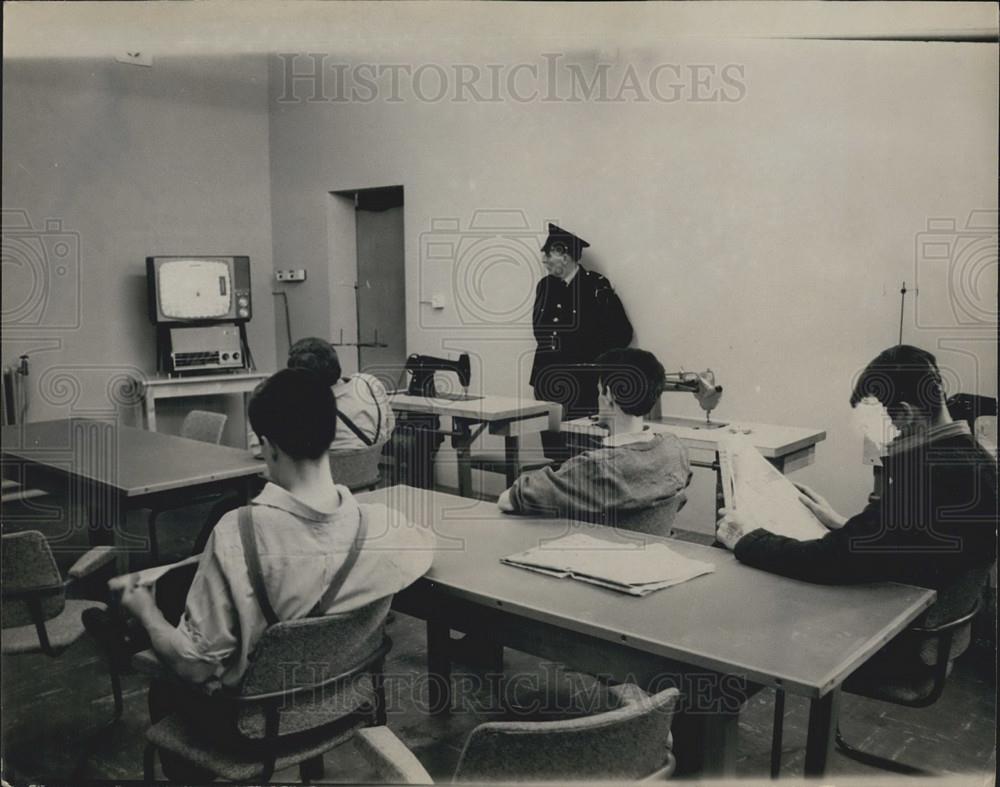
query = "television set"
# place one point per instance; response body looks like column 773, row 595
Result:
column 189, row 289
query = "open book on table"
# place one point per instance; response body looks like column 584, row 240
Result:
column 636, row 569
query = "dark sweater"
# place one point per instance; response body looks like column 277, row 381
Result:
column 937, row 519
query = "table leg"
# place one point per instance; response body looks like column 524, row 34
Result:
column 438, row 667
column 462, row 443
column 720, row 496
column 511, row 458
column 149, row 406
column 106, row 520
column 823, row 713
column 705, row 743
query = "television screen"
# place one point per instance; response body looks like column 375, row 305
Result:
column 201, row 289
column 195, row 289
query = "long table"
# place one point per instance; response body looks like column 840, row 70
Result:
column 720, row 636
column 110, row 469
column 472, row 414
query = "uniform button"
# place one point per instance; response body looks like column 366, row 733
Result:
column 555, row 319
column 558, row 305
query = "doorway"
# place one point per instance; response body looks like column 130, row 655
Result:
column 368, row 293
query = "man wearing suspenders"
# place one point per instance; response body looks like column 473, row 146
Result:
column 303, row 547
column 364, row 417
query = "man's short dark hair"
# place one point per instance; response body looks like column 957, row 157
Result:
column 902, row 374
column 295, row 409
column 316, row 355
column 634, row 377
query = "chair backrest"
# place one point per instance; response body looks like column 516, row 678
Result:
column 204, row 426
column 28, row 566
column 308, row 652
column 628, row 743
column 356, row 469
column 953, row 602
column 913, row 668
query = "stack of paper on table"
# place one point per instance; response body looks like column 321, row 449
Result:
column 636, row 569
column 755, row 487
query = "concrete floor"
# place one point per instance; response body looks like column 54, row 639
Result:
column 55, row 709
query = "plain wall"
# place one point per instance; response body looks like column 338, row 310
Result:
column 766, row 237
column 130, row 161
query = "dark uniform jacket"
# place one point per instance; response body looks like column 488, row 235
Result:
column 936, row 520
column 573, row 324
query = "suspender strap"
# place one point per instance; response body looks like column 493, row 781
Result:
column 345, row 569
column 369, row 441
column 252, row 558
column 354, row 428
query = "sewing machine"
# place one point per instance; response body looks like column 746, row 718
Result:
column 422, row 368
column 708, row 394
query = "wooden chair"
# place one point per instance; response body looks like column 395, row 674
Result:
column 358, row 469
column 204, row 426
column 37, row 616
column 912, row 669
column 628, row 743
column 312, row 683
column 201, row 425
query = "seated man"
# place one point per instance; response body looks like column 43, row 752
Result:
column 937, row 515
column 304, row 526
column 633, row 471
column 364, row 416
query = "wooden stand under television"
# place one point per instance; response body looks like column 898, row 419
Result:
column 235, row 383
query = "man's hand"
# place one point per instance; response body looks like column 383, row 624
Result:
column 139, row 600
column 173, row 648
column 503, row 502
column 733, row 525
column 821, row 509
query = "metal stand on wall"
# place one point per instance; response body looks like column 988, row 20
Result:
column 373, row 343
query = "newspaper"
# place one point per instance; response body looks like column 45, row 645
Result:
column 752, row 485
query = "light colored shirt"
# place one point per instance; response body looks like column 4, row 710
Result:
column 362, row 399
column 300, row 551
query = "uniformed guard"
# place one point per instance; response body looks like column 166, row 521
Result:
column 576, row 317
